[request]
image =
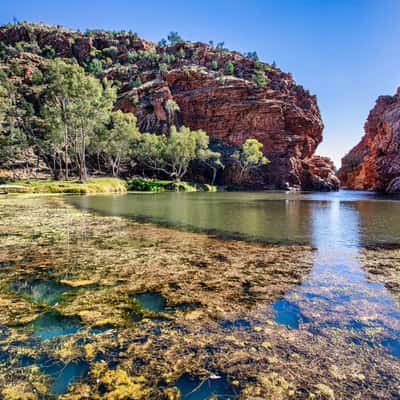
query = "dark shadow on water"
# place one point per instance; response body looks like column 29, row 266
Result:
column 197, row 389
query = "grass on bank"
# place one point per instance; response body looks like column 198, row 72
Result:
column 103, row 185
column 93, row 185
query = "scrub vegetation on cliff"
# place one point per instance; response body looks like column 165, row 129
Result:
column 128, row 85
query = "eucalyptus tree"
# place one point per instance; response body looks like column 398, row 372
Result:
column 173, row 154
column 75, row 105
column 249, row 157
column 123, row 131
column 13, row 138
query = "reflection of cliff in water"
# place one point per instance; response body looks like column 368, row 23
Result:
column 271, row 217
column 379, row 222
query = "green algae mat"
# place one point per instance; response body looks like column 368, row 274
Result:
column 104, row 307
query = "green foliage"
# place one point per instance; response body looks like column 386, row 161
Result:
column 181, row 54
column 174, row 38
column 252, row 55
column 95, row 66
column 214, row 65
column 16, row 69
column 250, row 156
column 135, row 83
column 37, row 77
column 171, row 107
column 163, row 68
column 121, row 135
column 145, row 185
column 111, row 52
column 134, row 100
column 229, row 68
column 172, row 154
column 75, row 105
column 162, row 43
column 149, row 58
column 13, row 139
column 48, row 52
column 132, row 56
column 259, row 79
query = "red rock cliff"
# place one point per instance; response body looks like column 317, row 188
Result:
column 193, row 89
column 374, row 163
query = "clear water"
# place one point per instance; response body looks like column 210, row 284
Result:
column 40, row 290
column 337, row 292
column 63, row 374
column 197, row 389
column 52, row 324
column 151, row 301
column 156, row 302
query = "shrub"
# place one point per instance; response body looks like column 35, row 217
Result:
column 260, row 79
column 16, row 69
column 229, row 68
column 145, row 185
column 181, row 54
column 163, row 68
column 111, row 52
column 37, row 77
column 162, row 43
column 48, row 52
column 253, row 55
column 214, row 65
column 134, row 100
column 95, row 66
column 132, row 56
column 174, row 38
column 137, row 82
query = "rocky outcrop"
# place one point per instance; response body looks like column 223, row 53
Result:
column 186, row 84
column 374, row 163
column 285, row 120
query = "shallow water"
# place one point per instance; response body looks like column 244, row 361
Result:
column 52, row 324
column 98, row 304
column 197, row 389
column 337, row 293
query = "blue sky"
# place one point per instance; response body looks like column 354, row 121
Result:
column 344, row 51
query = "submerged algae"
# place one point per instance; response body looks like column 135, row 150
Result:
column 229, row 281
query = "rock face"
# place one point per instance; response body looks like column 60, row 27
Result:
column 374, row 163
column 193, row 89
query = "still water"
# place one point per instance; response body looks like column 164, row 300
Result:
column 337, row 293
column 344, row 219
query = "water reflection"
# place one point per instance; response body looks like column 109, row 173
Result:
column 337, row 294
